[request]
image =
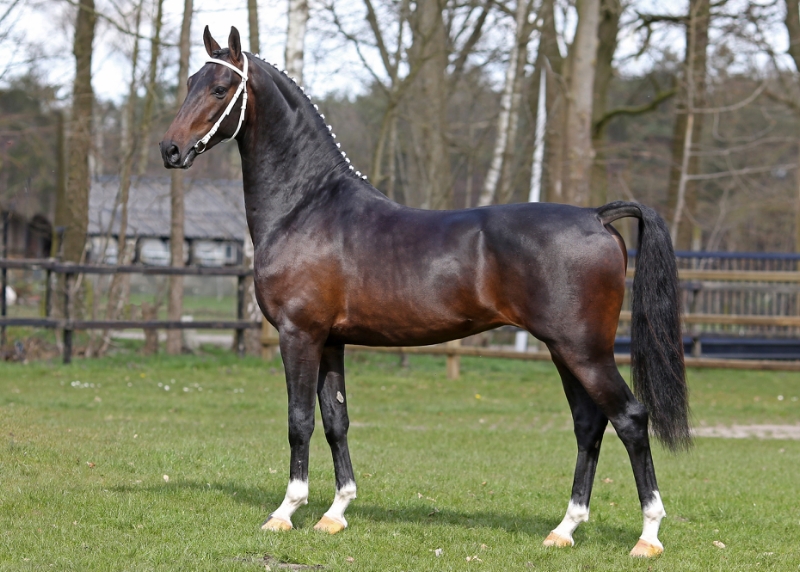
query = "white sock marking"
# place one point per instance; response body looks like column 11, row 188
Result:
column 343, row 497
column 575, row 515
column 653, row 513
column 296, row 496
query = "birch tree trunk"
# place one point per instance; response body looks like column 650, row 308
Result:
column 509, row 108
column 176, row 237
column 296, row 38
column 535, row 192
column 578, row 152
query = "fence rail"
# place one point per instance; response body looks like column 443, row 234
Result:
column 68, row 324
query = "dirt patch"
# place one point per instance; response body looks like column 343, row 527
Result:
column 791, row 432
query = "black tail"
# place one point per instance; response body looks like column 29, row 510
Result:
column 657, row 368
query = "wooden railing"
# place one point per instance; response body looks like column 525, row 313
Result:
column 68, row 323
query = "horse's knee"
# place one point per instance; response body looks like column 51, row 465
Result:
column 301, row 427
column 336, row 429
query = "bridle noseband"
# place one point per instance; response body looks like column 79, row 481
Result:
column 200, row 146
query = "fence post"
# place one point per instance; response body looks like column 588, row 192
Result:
column 67, row 317
column 453, row 360
column 240, row 349
column 48, row 293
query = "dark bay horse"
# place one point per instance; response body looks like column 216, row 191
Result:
column 337, row 262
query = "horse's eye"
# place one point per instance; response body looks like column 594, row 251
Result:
column 219, row 91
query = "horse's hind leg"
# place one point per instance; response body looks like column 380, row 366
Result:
column 333, row 405
column 604, row 385
column 589, row 423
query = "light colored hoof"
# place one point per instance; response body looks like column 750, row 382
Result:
column 327, row 524
column 554, row 539
column 644, row 549
column 276, row 524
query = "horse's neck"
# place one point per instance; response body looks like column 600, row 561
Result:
column 289, row 159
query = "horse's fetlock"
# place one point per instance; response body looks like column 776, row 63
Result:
column 297, row 492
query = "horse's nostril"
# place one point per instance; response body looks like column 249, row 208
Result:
column 173, row 154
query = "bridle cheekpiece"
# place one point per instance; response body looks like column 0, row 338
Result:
column 200, row 146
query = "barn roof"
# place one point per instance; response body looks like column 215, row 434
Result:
column 214, row 209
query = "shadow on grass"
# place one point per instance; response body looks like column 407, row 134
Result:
column 532, row 525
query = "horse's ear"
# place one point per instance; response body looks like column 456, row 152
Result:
column 211, row 44
column 235, row 46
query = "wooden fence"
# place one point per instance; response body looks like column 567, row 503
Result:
column 68, row 324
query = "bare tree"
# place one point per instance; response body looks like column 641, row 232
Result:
column 428, row 104
column 151, row 86
column 129, row 147
column 497, row 182
column 681, row 195
column 425, row 49
column 550, row 62
column 252, row 338
column 252, row 21
column 80, row 137
column 578, row 152
column 177, row 217
column 793, row 28
column 610, row 12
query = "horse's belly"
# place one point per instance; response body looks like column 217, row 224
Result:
column 388, row 326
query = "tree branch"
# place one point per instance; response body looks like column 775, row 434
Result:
column 116, row 25
column 740, row 172
column 660, row 97
column 466, row 50
column 391, row 69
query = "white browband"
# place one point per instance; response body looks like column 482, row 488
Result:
column 200, row 146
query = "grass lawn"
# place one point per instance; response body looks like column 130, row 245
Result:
column 476, row 467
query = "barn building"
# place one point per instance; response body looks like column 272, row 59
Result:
column 214, row 227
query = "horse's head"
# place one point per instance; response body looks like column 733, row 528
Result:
column 205, row 117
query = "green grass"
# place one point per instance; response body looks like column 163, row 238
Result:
column 477, row 467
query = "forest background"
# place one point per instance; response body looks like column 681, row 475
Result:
column 691, row 107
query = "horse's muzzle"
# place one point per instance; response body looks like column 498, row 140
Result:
column 173, row 159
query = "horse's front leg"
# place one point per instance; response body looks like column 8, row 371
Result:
column 301, row 354
column 333, row 405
